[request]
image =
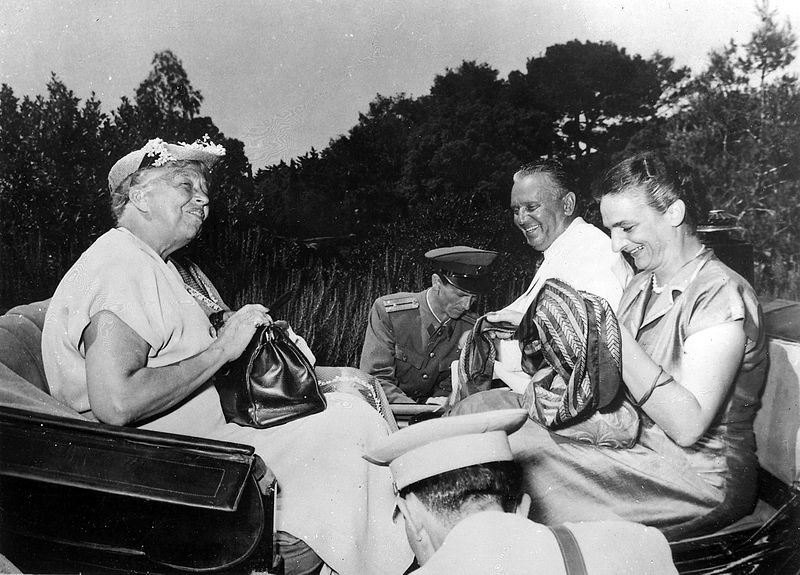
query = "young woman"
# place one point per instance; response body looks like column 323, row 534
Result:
column 693, row 360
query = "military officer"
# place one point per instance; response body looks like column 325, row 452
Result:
column 412, row 338
column 461, row 497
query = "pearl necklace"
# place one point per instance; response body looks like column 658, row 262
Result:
column 656, row 287
column 660, row 289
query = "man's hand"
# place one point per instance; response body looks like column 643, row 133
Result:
column 440, row 401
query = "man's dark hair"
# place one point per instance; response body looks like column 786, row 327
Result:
column 483, row 484
column 559, row 178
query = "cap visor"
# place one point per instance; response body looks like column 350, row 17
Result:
column 473, row 285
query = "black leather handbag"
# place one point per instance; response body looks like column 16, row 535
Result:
column 271, row 383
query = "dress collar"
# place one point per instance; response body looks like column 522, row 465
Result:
column 682, row 278
column 672, row 289
column 144, row 246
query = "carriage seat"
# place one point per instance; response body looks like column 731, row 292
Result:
column 23, row 384
column 777, row 426
column 166, row 480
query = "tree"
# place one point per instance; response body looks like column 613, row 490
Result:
column 166, row 98
column 51, row 184
column 741, row 132
column 597, row 94
column 55, row 154
column 771, row 47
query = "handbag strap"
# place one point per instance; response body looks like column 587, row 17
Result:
column 203, row 299
column 196, row 283
column 570, row 551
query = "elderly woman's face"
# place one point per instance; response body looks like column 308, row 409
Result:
column 636, row 228
column 178, row 201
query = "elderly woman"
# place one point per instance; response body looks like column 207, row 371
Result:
column 126, row 344
column 693, row 361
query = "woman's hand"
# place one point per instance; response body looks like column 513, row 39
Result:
column 685, row 407
column 239, row 329
column 508, row 319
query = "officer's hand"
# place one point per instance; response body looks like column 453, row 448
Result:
column 440, row 401
column 506, row 321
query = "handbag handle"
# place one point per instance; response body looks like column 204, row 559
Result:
column 276, row 331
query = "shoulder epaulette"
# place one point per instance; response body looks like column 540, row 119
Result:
column 400, row 303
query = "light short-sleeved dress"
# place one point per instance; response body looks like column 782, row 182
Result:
column 330, row 497
column 681, row 490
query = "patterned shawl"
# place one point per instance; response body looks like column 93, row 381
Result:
column 575, row 336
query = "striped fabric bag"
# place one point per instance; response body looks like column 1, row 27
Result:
column 579, row 392
column 571, row 348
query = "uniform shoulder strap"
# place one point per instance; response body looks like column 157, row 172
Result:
column 570, row 551
column 401, row 303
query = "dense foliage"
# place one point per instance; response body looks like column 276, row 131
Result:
column 352, row 221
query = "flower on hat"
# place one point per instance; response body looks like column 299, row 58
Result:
column 206, row 145
column 159, row 149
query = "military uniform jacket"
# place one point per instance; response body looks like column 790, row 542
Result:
column 407, row 349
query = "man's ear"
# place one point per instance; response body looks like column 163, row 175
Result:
column 676, row 213
column 524, row 505
column 419, row 523
column 436, row 281
column 415, row 526
column 568, row 202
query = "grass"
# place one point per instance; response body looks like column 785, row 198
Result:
column 334, row 297
column 334, row 289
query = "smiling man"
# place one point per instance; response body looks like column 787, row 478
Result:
column 543, row 207
column 412, row 338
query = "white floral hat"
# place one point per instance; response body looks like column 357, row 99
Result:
column 157, row 152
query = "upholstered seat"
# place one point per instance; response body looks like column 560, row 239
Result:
column 23, row 384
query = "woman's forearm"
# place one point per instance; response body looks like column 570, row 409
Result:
column 123, row 388
column 685, row 406
column 674, row 408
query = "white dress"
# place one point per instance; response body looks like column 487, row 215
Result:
column 330, row 497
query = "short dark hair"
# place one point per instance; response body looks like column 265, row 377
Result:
column 562, row 182
column 121, row 195
column 486, row 483
column 663, row 180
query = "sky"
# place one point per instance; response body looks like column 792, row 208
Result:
column 283, row 76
